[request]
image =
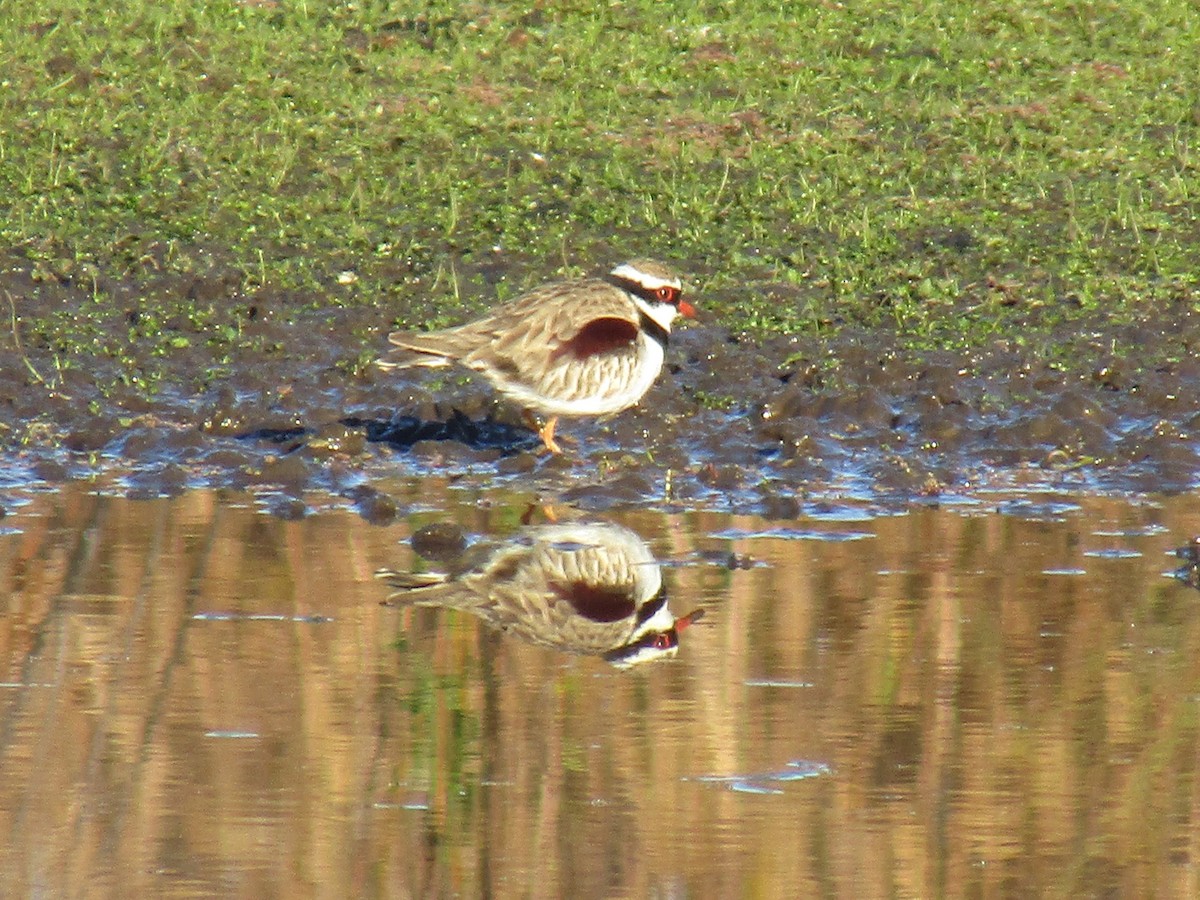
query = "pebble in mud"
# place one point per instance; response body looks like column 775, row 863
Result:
column 443, row 454
column 374, row 506
column 777, row 506
column 727, row 559
column 151, row 441
column 441, row 542
column 336, row 439
column 721, row 477
column 1163, row 443
column 169, row 481
column 223, row 416
column 290, row 471
column 288, row 508
column 560, row 462
column 862, row 409
column 794, row 436
column 51, row 471
column 518, row 464
column 946, row 425
column 629, row 488
column 90, row 435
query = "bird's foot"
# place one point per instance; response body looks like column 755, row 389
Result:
column 547, row 510
column 545, row 432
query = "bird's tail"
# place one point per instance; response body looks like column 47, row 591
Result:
column 411, row 352
column 411, row 587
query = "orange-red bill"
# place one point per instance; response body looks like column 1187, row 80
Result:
column 687, row 310
column 690, row 619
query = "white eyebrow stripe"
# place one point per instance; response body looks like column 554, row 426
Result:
column 650, row 282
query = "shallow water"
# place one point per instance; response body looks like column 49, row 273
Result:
column 993, row 697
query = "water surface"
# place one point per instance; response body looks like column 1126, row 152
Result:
column 985, row 698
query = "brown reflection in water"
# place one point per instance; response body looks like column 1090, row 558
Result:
column 202, row 700
column 580, row 587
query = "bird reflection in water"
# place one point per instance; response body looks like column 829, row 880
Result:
column 593, row 589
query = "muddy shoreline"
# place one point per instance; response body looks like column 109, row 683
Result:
column 737, row 423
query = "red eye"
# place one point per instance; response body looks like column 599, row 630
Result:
column 662, row 641
column 667, row 294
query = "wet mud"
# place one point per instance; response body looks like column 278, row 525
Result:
column 733, row 422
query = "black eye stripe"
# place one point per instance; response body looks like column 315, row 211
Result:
column 653, row 605
column 650, row 295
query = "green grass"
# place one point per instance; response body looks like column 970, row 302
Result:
column 968, row 171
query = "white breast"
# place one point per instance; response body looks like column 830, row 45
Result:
column 596, row 386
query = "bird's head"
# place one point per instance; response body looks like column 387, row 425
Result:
column 656, row 290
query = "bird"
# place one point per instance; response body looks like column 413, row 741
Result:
column 586, row 588
column 588, row 347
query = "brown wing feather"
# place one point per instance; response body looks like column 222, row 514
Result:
column 598, row 336
column 597, row 602
column 529, row 334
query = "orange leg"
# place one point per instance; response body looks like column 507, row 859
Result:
column 547, row 435
column 545, row 432
column 546, row 509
